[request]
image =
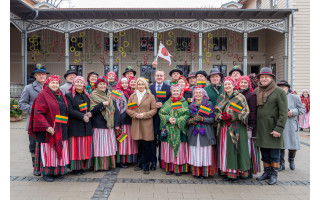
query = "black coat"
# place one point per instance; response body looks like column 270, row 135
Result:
column 77, row 127
column 125, row 118
column 156, row 118
column 98, row 120
column 252, row 103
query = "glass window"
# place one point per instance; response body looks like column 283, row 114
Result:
column 115, row 69
column 146, row 43
column 183, row 43
column 75, row 44
column 222, row 69
column 33, row 44
column 78, row 68
column 253, row 44
column 148, row 72
column 107, row 44
column 185, row 69
column 219, row 43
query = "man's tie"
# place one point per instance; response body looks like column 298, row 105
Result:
column 158, row 88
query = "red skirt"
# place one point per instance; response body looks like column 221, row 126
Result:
column 49, row 155
column 128, row 146
column 80, row 148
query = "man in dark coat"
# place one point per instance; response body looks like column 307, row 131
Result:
column 272, row 114
column 29, row 93
column 215, row 88
column 69, row 76
column 159, row 85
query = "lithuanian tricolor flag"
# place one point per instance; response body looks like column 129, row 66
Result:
column 116, row 94
column 205, row 110
column 161, row 94
column 61, row 119
column 235, row 107
column 201, row 83
column 83, row 106
column 122, row 137
column 15, row 106
column 132, row 105
column 176, row 105
column 189, row 100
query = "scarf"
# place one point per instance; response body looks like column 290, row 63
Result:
column 194, row 110
column 96, row 97
column 112, row 85
column 264, row 91
column 216, row 87
column 72, row 88
column 175, row 99
column 127, row 92
column 140, row 95
column 305, row 101
column 254, row 80
column 249, row 82
column 186, row 84
column 43, row 113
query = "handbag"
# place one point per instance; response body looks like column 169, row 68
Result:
column 164, row 132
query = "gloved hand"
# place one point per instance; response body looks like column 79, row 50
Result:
column 226, row 117
column 192, row 121
column 198, row 118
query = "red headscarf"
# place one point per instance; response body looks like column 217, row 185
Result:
column 127, row 92
column 233, row 82
column 52, row 78
column 174, row 99
column 130, row 79
column 186, row 87
column 115, row 76
column 73, row 88
column 247, row 79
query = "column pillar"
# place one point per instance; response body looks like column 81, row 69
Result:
column 23, row 54
column 285, row 57
column 24, row 70
column 67, row 58
column 111, row 51
column 245, row 52
column 200, row 45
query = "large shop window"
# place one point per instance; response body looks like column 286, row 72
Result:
column 107, row 44
column 75, row 44
column 253, row 44
column 185, row 69
column 147, row 71
column 146, row 43
column 115, row 69
column 219, row 43
column 222, row 69
column 78, row 68
column 183, row 43
column 33, row 44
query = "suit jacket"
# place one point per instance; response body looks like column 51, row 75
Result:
column 65, row 88
column 156, row 118
column 28, row 95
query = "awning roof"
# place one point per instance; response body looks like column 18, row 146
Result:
column 26, row 12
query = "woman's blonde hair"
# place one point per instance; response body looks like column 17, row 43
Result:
column 142, row 79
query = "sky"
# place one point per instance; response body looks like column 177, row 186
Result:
column 144, row 3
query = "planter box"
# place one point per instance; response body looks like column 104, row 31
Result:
column 15, row 119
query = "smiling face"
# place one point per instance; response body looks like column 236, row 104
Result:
column 102, row 86
column 128, row 74
column 265, row 79
column 244, row 84
column 54, row 85
column 198, row 95
column 305, row 94
column 176, row 92
column 175, row 76
column 235, row 75
column 192, row 80
column 159, row 77
column 228, row 87
column 124, row 84
column 70, row 77
column 215, row 79
column 111, row 78
column 79, row 84
column 201, row 77
column 181, row 83
column 40, row 77
column 93, row 78
column 141, row 86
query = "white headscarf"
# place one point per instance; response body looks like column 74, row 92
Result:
column 140, row 95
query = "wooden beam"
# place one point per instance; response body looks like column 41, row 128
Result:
column 224, row 14
column 273, row 13
column 142, row 13
column 209, row 13
column 159, row 13
column 192, row 13
column 176, row 14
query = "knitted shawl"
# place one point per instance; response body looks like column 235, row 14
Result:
column 174, row 130
column 306, row 102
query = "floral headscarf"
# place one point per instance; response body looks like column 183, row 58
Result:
column 186, row 87
column 130, row 79
column 52, row 78
column 248, row 80
column 73, row 88
column 127, row 92
column 231, row 80
column 205, row 95
column 174, row 99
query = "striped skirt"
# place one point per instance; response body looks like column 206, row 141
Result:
column 104, row 142
column 128, row 148
column 304, row 120
column 81, row 152
column 200, row 156
column 255, row 156
column 178, row 164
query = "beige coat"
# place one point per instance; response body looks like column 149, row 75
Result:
column 142, row 129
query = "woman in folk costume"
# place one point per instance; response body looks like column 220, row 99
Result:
column 132, row 83
column 245, row 88
column 112, row 80
column 91, row 78
column 127, row 147
column 174, row 135
column 232, row 113
column 202, row 139
column 106, row 117
column 48, row 125
column 142, row 108
column 80, row 129
column 305, row 118
column 186, row 91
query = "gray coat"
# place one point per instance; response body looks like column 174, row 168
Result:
column 29, row 93
column 65, row 88
column 291, row 130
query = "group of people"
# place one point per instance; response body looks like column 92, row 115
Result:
column 203, row 123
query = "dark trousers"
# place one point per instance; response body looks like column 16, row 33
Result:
column 32, row 146
column 270, row 155
column 156, row 143
column 145, row 153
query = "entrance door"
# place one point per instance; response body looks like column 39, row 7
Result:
column 255, row 69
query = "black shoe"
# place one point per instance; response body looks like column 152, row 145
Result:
column 178, row 174
column 169, row 173
column 37, row 173
column 137, row 168
column 48, row 178
column 121, row 165
column 153, row 167
column 202, row 177
column 225, row 178
column 60, row 176
column 273, row 177
column 145, row 171
column 196, row 177
column 291, row 163
column 282, row 167
column 76, row 172
column 235, row 180
column 265, row 175
column 82, row 172
column 301, row 129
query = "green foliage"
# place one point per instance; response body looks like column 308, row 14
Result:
column 14, row 112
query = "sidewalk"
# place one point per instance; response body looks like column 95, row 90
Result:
column 128, row 184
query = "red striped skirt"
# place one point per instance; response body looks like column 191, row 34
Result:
column 49, row 155
column 80, row 148
column 128, row 146
column 104, row 142
column 200, row 156
column 304, row 120
column 167, row 154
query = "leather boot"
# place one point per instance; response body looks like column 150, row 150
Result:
column 265, row 174
column 273, row 176
column 282, row 162
column 292, row 155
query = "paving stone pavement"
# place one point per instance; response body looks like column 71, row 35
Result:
column 119, row 184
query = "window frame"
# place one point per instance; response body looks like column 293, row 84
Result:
column 249, row 38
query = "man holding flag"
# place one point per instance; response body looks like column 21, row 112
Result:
column 161, row 91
